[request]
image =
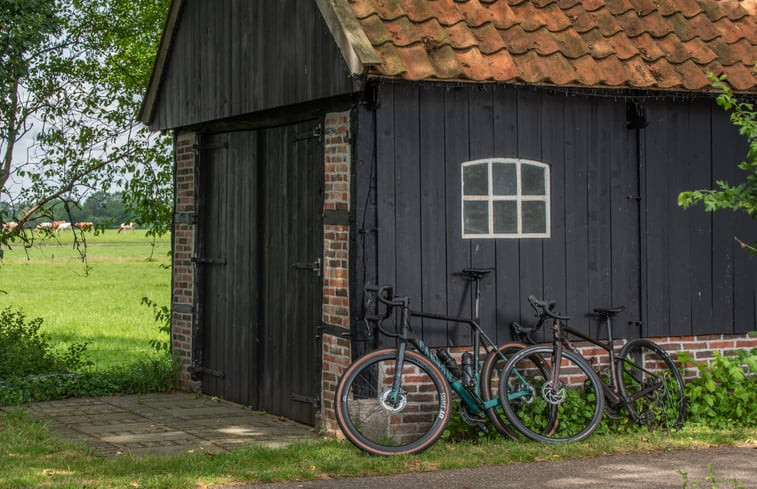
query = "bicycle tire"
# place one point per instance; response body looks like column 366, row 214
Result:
column 574, row 410
column 374, row 425
column 645, row 364
column 490, row 374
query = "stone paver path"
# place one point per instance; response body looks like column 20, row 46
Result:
column 165, row 424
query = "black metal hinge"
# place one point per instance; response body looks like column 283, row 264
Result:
column 315, row 401
column 209, row 261
column 315, row 133
column 210, row 147
column 207, row 371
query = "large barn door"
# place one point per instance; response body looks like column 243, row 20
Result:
column 258, row 262
column 227, row 267
column 292, row 243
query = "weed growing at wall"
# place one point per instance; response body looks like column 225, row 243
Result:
column 724, row 393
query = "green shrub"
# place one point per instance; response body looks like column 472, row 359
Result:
column 141, row 377
column 24, row 350
column 725, row 392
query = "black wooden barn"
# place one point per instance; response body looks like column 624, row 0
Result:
column 323, row 144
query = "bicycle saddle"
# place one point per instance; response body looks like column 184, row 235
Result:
column 476, row 273
column 610, row 311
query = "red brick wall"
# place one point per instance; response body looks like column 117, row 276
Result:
column 336, row 352
column 183, row 270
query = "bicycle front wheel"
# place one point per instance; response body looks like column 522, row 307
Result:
column 490, row 375
column 380, row 421
column 567, row 408
column 651, row 385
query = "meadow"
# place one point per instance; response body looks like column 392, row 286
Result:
column 97, row 301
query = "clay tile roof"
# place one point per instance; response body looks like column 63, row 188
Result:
column 645, row 44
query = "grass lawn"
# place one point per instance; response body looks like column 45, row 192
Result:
column 31, row 457
column 99, row 303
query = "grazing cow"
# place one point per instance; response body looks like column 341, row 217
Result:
column 85, row 226
column 9, row 226
column 64, row 226
column 47, row 225
column 126, row 225
column 56, row 224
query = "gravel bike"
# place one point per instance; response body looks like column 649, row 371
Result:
column 642, row 378
column 398, row 400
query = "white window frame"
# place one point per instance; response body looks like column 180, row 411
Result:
column 518, row 198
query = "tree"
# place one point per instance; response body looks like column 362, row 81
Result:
column 741, row 197
column 74, row 72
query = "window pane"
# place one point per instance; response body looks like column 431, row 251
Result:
column 476, row 217
column 505, row 217
column 476, row 179
column 532, row 180
column 504, row 179
column 534, row 217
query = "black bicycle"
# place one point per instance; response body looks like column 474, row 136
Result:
column 398, row 400
column 642, row 378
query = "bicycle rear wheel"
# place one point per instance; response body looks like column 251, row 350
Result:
column 490, row 375
column 566, row 409
column 651, row 385
column 376, row 424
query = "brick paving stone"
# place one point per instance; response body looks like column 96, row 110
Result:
column 165, row 424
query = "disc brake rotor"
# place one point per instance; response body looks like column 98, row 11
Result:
column 397, row 407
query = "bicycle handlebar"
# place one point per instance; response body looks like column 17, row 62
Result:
column 546, row 308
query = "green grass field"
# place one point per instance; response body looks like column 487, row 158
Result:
column 98, row 304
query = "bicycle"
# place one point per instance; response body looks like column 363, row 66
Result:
column 642, row 378
column 397, row 400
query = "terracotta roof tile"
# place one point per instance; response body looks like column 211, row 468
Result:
column 646, row 44
column 688, row 8
column 644, row 7
column 463, row 37
column 487, row 37
column 623, row 47
column 618, row 7
column 732, row 32
column 502, row 16
column 648, row 47
column 693, row 76
column 597, row 44
column 664, row 74
column 705, row 29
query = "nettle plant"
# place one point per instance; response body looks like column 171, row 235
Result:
column 724, row 393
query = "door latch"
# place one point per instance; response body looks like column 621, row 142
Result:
column 315, row 266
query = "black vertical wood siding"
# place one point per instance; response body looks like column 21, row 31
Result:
column 617, row 234
column 233, row 57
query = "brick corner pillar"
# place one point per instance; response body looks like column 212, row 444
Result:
column 183, row 286
column 336, row 347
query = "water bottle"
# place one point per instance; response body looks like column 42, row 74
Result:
column 449, row 362
column 467, row 368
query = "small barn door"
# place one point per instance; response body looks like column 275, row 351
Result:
column 291, row 245
column 259, row 252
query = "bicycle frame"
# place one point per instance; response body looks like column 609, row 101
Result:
column 611, row 391
column 470, row 396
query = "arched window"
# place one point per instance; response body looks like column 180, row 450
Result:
column 505, row 198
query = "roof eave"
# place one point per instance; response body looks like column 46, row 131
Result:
column 349, row 36
column 158, row 69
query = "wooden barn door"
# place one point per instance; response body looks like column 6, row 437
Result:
column 258, row 258
column 291, row 245
column 227, row 247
